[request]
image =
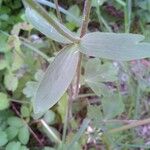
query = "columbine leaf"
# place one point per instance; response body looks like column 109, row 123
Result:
column 112, row 105
column 56, row 79
column 43, row 26
column 115, row 46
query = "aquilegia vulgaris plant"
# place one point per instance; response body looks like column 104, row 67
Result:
column 114, row 46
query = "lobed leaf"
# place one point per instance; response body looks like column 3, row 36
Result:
column 115, row 46
column 56, row 79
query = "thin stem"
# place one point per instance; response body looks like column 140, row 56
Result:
column 31, row 131
column 137, row 103
column 41, row 11
column 101, row 19
column 86, row 14
column 132, row 125
column 19, row 101
column 57, row 11
column 28, row 45
column 127, row 13
column 51, row 5
column 51, row 132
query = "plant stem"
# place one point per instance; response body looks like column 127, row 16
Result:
column 129, row 126
column 51, row 132
column 41, row 11
column 86, row 14
column 57, row 10
column 102, row 20
column 28, row 45
column 31, row 131
column 127, row 15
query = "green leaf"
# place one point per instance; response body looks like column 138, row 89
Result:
column 112, row 105
column 56, row 79
column 11, row 132
column 11, row 82
column 15, row 122
column 3, row 138
column 62, row 106
column 43, row 26
column 52, row 5
column 30, row 88
column 3, row 64
column 80, row 132
column 95, row 114
column 75, row 11
column 24, row 148
column 13, row 146
column 24, row 135
column 25, row 111
column 49, row 117
column 4, row 102
column 115, row 46
column 3, row 43
column 97, row 72
column 62, row 30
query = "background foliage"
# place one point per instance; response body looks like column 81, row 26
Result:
column 118, row 93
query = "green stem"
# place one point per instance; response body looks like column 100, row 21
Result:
column 129, row 126
column 101, row 19
column 51, row 132
column 41, row 11
column 57, row 10
column 127, row 15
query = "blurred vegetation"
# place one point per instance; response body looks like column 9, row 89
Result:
column 24, row 56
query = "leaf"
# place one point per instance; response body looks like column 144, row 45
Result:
column 97, row 72
column 30, row 88
column 56, row 79
column 62, row 106
column 52, row 5
column 112, row 105
column 115, row 46
column 80, row 132
column 25, row 111
column 3, row 64
column 95, row 114
column 24, row 148
column 75, row 11
column 49, row 117
column 4, row 102
column 24, row 135
column 11, row 82
column 43, row 26
column 13, row 146
column 15, row 122
column 11, row 132
column 3, row 138
column 3, row 42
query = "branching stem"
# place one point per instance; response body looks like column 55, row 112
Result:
column 86, row 14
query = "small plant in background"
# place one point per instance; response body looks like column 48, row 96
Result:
column 94, row 64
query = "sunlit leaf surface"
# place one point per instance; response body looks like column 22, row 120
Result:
column 115, row 46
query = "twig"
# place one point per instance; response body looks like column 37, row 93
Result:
column 31, row 131
column 57, row 11
column 129, row 126
column 86, row 14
